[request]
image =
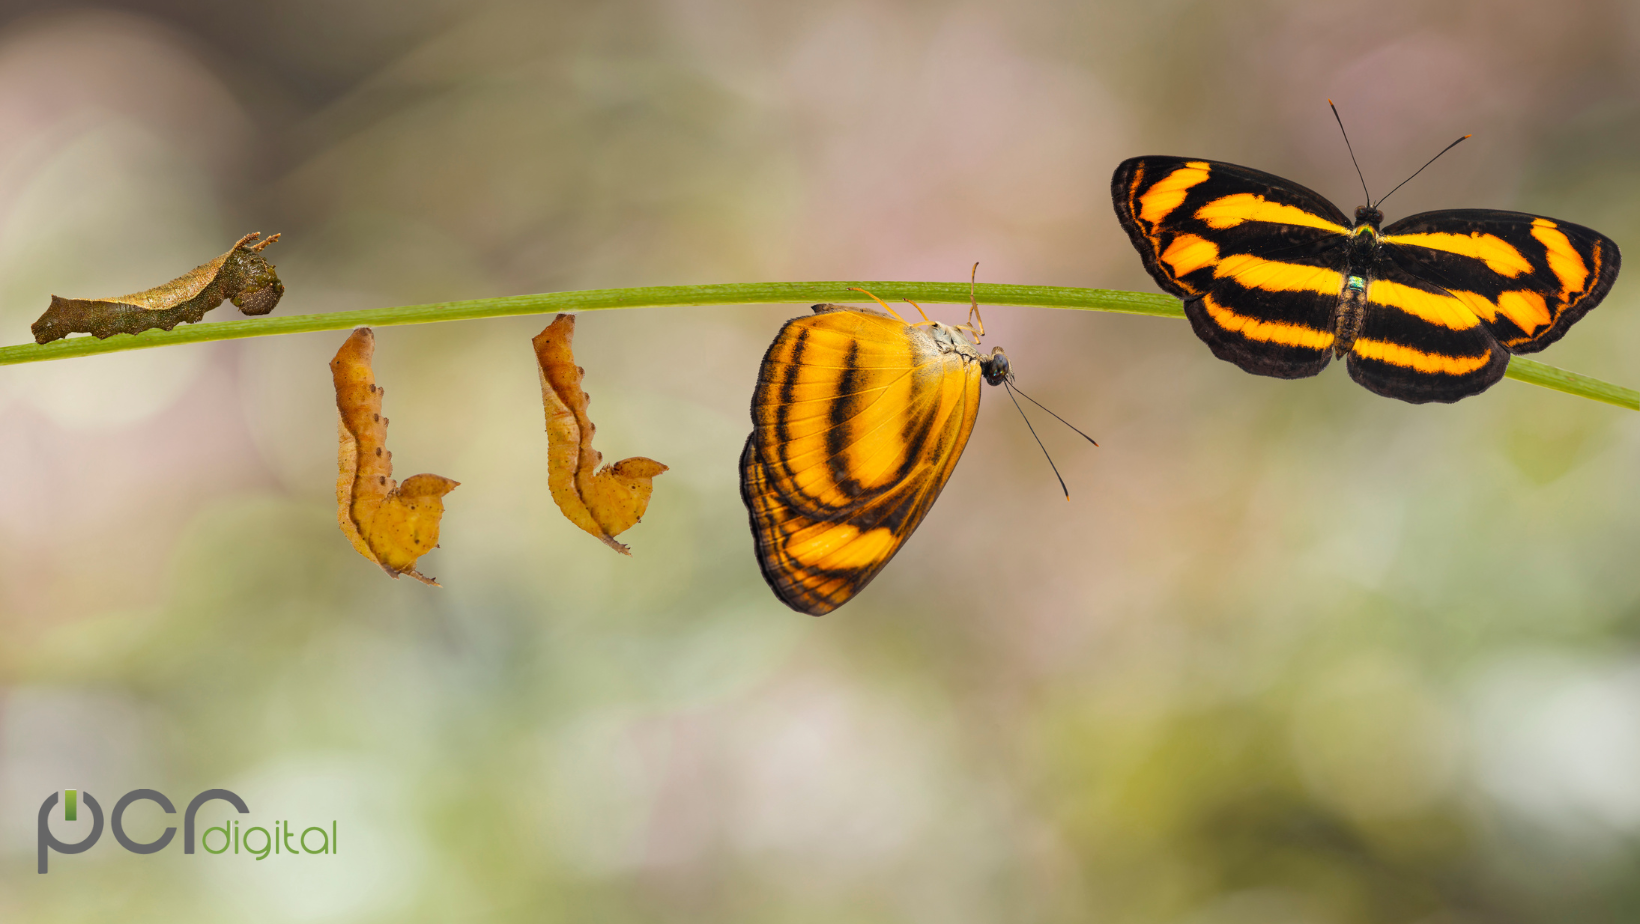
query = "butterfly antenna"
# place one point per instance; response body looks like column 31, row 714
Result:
column 1421, row 169
column 1038, row 439
column 1057, row 417
column 1352, row 151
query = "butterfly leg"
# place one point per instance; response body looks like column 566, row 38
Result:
column 879, row 301
column 973, row 305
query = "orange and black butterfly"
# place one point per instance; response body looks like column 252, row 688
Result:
column 859, row 418
column 1278, row 281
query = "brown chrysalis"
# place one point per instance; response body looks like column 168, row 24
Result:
column 604, row 502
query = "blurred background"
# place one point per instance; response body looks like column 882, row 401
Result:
column 1292, row 652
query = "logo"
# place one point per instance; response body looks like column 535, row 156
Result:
column 282, row 839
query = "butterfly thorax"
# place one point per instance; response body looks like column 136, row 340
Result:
column 951, row 340
column 1364, row 241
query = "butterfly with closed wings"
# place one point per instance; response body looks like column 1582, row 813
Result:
column 859, row 418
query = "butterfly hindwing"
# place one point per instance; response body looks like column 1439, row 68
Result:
column 858, row 421
column 1419, row 343
column 1254, row 257
column 1527, row 278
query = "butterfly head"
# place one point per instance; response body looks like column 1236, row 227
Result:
column 995, row 367
column 1368, row 217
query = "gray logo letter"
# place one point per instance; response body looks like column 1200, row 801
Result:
column 152, row 795
column 47, row 841
column 188, row 819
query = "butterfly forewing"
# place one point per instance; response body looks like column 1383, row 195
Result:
column 834, row 408
column 1526, row 278
column 1256, row 259
column 859, row 420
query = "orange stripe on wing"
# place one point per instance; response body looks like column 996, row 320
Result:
column 1527, row 309
column 1417, row 360
column 1271, row 275
column 1435, row 307
column 843, row 547
column 1230, row 211
column 1188, row 253
column 1564, row 259
column 1168, row 193
column 1267, row 331
column 1500, row 256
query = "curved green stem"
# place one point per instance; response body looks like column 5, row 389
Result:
column 749, row 293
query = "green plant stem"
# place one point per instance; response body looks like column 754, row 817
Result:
column 750, row 293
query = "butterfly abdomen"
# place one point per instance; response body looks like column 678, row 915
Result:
column 1352, row 310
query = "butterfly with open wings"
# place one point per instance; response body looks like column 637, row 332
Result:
column 1277, row 280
